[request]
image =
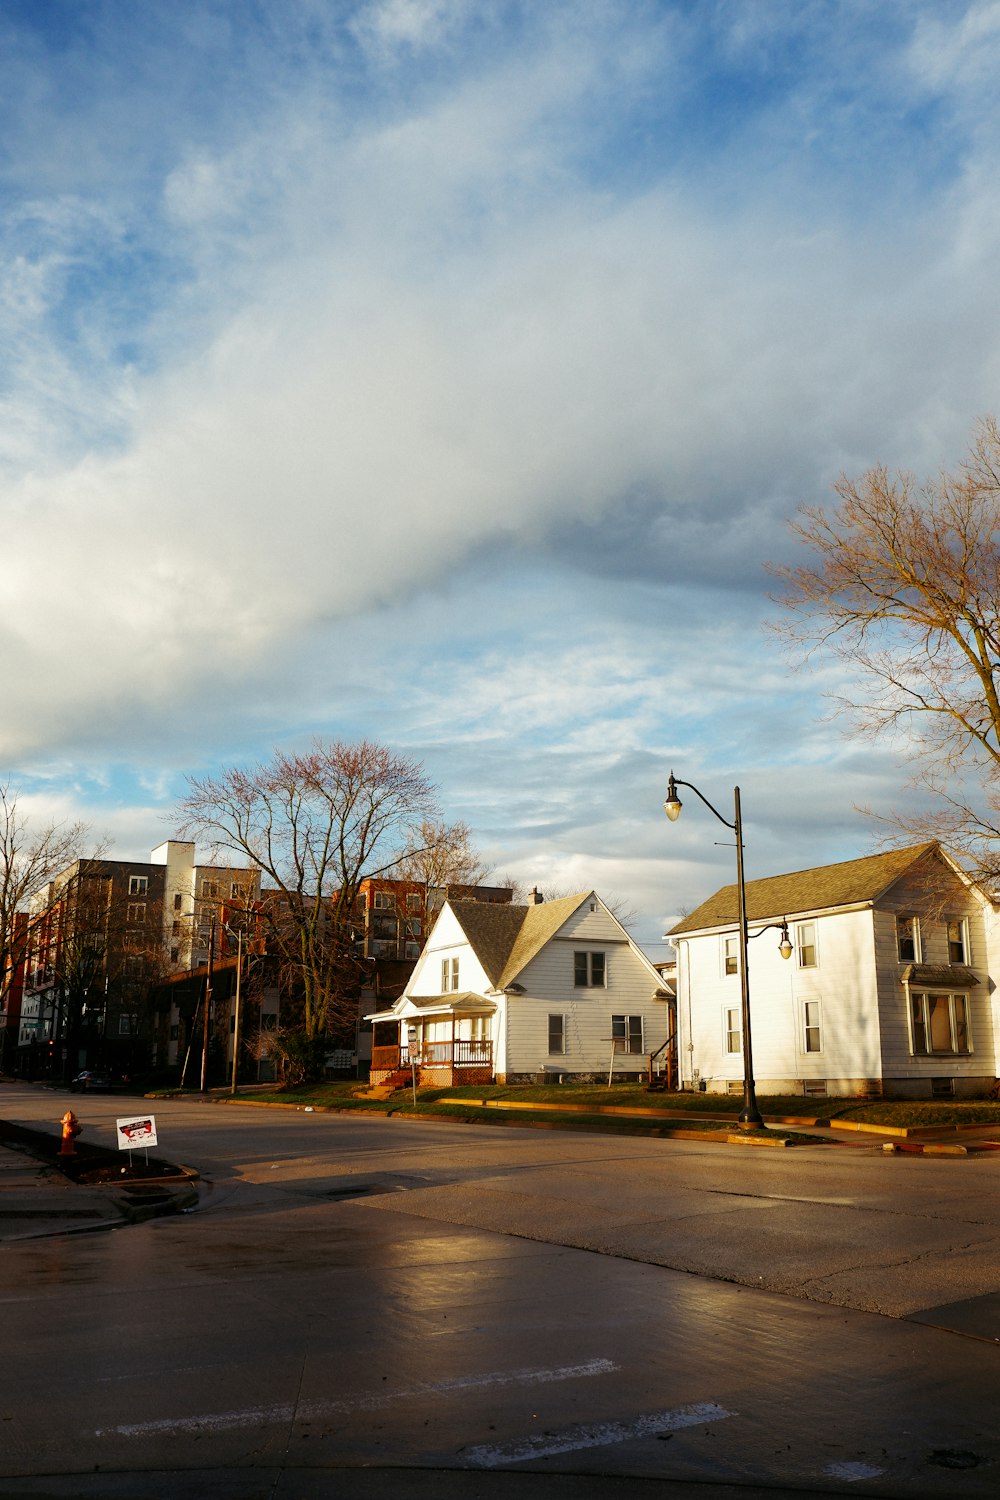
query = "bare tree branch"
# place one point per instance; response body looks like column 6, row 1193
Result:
column 905, row 588
column 316, row 824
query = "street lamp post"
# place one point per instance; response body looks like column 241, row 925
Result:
column 750, row 1114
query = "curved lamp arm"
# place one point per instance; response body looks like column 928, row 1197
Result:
column 673, row 804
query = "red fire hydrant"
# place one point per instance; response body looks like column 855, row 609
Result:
column 71, row 1128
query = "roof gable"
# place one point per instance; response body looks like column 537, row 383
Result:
column 854, row 882
column 540, row 924
column 505, row 938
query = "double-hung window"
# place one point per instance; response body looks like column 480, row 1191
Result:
column 805, row 945
column 908, row 939
column 958, row 940
column 627, row 1033
column 730, row 955
column 590, row 970
column 449, row 975
column 812, row 1040
column 939, row 1024
column 731, row 1022
column 557, row 1035
column 138, row 885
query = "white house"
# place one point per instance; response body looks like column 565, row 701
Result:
column 887, row 990
column 517, row 994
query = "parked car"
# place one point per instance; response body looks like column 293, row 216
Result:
column 89, row 1082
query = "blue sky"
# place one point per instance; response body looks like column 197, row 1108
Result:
column 447, row 371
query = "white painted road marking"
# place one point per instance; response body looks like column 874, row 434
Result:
column 594, row 1435
column 256, row 1416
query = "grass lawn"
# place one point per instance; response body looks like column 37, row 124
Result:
column 716, row 1109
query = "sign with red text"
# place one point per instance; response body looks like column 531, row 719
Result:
column 138, row 1131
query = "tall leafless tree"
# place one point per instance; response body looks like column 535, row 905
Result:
column 316, row 824
column 905, row 588
column 31, row 855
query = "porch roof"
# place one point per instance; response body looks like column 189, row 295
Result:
column 940, row 976
column 467, row 1003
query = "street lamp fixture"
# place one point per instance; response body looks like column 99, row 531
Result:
column 750, row 1115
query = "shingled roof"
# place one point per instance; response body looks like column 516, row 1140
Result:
column 506, row 937
column 852, row 883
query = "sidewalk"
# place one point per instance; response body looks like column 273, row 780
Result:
column 36, row 1200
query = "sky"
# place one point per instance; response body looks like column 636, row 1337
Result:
column 447, row 372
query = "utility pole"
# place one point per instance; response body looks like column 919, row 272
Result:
column 208, row 1007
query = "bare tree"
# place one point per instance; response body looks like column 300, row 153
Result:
column 316, row 824
column 905, row 587
column 30, row 858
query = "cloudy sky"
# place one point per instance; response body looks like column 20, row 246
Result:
column 446, row 371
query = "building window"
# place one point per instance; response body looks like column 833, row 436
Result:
column 730, row 955
column 238, row 891
column 136, row 913
column 384, row 901
column 177, row 901
column 805, row 944
column 939, row 1023
column 449, row 975
column 734, row 1041
column 958, row 940
column 210, row 888
column 138, row 885
column 908, row 939
column 124, row 1025
column 557, row 1035
column 412, row 950
column 590, row 971
column 413, row 902
column 627, row 1033
column 811, row 1040
column 175, row 954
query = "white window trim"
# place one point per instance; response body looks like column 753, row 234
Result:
column 917, row 944
column 728, row 1029
column 805, row 1028
column 951, row 996
column 590, row 954
column 724, row 942
column 561, row 1018
column 963, row 924
column 626, row 1050
column 799, row 928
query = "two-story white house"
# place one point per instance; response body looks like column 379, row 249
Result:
column 887, row 989
column 519, row 994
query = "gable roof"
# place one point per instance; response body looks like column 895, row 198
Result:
column 505, row 938
column 852, row 883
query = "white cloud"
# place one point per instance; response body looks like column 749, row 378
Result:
column 523, row 354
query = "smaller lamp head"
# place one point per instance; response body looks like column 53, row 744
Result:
column 672, row 806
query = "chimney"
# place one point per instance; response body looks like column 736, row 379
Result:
column 535, row 898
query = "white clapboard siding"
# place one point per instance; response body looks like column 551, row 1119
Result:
column 548, row 981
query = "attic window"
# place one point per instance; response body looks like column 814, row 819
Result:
column 908, row 939
column 589, row 971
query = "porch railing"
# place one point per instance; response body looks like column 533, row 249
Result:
column 462, row 1053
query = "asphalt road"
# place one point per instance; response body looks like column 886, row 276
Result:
column 363, row 1306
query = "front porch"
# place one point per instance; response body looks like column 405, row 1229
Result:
column 445, row 1064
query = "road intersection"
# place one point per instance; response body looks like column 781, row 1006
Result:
column 506, row 1307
